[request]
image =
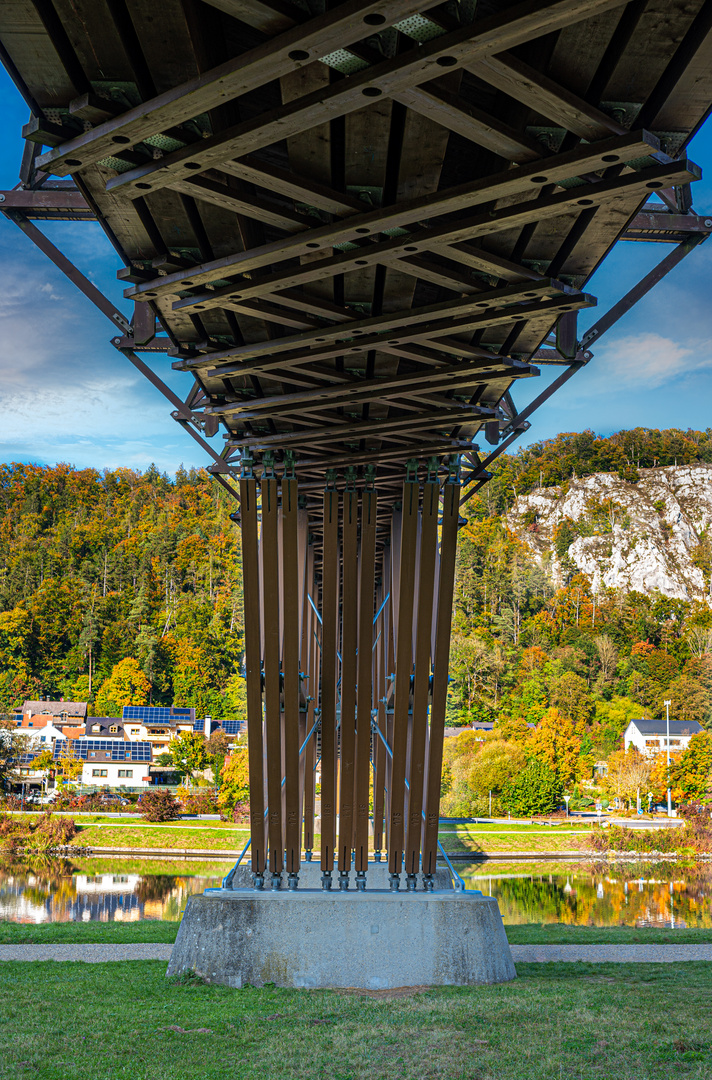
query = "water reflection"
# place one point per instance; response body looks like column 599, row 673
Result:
column 108, row 890
column 62, row 892
column 648, row 894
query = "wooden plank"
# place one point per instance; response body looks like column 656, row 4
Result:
column 205, row 189
column 367, row 581
column 471, row 123
column 299, row 188
column 421, row 688
column 329, row 614
column 290, row 672
column 448, row 546
column 253, row 673
column 271, row 619
column 341, row 26
column 538, row 92
column 349, row 619
column 312, row 652
column 503, row 185
column 403, row 670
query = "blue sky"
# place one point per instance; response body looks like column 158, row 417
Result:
column 67, row 395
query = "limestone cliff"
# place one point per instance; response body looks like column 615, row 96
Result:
column 645, row 536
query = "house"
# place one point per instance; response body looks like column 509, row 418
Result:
column 156, row 724
column 66, row 713
column 477, row 725
column 41, row 732
column 104, row 727
column 111, row 762
column 649, row 736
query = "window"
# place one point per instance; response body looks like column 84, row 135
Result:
column 113, row 729
column 96, row 727
column 676, row 742
column 98, row 772
column 126, row 772
column 652, row 742
column 92, row 753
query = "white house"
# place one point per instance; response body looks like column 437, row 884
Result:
column 115, row 774
column 649, row 736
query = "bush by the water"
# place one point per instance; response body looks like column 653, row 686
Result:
column 42, row 833
column 695, row 836
column 160, row 806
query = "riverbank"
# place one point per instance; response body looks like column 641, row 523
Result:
column 591, row 1020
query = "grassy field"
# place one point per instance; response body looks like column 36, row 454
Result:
column 462, row 839
column 148, row 930
column 177, row 837
column 218, row 835
column 125, row 1019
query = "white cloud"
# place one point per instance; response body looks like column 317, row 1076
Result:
column 649, row 360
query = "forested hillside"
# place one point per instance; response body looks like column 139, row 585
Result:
column 118, row 586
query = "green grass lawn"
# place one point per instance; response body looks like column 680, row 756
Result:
column 88, row 933
column 147, row 930
column 151, row 836
column 65, row 1021
column 565, row 934
column 464, row 839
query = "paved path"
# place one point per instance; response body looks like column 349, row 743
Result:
column 523, row 954
column 610, row 954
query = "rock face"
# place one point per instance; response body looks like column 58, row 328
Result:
column 631, row 536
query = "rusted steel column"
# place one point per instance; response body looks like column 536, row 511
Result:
column 367, row 582
column 448, row 545
column 290, row 676
column 253, row 664
column 349, row 621
column 270, row 614
column 329, row 614
column 421, row 688
column 404, row 666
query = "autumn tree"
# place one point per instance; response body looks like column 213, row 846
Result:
column 188, row 753
column 556, row 743
column 127, row 685
column 692, row 773
column 234, row 780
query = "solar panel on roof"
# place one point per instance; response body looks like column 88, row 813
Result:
column 199, row 725
column 116, row 748
column 233, row 727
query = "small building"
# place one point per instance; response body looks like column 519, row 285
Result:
column 113, row 763
column 650, row 736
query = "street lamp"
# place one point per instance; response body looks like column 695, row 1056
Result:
column 667, row 715
column 566, row 800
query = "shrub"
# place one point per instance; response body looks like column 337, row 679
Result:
column 536, row 790
column 43, row 834
column 160, row 806
column 200, row 801
column 240, row 814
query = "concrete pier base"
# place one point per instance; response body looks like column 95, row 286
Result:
column 315, row 939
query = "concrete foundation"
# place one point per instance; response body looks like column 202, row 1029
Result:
column 314, row 939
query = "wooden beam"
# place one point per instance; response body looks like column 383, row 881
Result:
column 504, row 185
column 349, row 22
column 205, row 189
column 474, row 124
column 492, row 34
column 283, row 182
column 523, row 83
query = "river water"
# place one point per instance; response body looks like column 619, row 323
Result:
column 644, row 894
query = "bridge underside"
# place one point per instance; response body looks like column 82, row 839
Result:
column 355, row 226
